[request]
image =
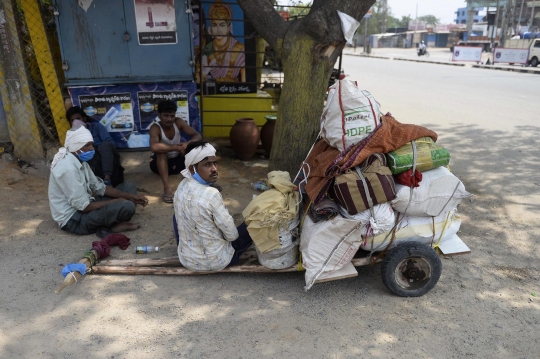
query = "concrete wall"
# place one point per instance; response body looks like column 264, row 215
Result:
column 4, row 134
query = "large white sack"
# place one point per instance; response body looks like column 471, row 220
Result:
column 438, row 192
column 420, row 229
column 328, row 245
column 382, row 221
column 349, row 116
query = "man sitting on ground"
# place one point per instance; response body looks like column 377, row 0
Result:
column 168, row 152
column 204, row 230
column 72, row 185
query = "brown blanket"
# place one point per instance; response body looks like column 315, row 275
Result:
column 326, row 162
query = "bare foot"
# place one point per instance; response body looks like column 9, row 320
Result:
column 124, row 226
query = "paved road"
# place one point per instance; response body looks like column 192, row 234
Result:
column 488, row 118
column 438, row 54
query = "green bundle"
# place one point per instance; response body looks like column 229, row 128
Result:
column 428, row 156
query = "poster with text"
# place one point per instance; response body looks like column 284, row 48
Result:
column 148, row 106
column 156, row 22
column 515, row 56
column 114, row 110
column 128, row 110
column 467, row 53
column 225, row 50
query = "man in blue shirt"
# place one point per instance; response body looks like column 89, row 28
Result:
column 106, row 163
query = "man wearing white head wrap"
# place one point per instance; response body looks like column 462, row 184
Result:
column 204, row 230
column 73, row 185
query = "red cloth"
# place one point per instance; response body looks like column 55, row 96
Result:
column 408, row 180
column 103, row 247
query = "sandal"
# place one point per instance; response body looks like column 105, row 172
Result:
column 167, row 198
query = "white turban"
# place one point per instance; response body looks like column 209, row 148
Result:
column 75, row 140
column 196, row 155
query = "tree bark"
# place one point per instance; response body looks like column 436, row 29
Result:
column 308, row 48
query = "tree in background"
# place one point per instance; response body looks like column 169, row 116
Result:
column 404, row 22
column 429, row 19
column 308, row 47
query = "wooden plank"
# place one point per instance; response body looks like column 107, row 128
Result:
column 162, row 262
column 173, row 262
column 347, row 271
column 454, row 246
column 142, row 262
column 100, row 269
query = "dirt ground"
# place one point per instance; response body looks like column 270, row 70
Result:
column 486, row 305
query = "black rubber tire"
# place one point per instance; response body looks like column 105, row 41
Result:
column 534, row 61
column 411, row 269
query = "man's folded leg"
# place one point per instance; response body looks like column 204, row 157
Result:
column 107, row 216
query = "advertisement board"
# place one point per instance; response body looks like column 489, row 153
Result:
column 156, row 22
column 516, row 56
column 127, row 111
column 417, row 25
column 467, row 53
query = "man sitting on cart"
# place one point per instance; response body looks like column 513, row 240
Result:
column 205, row 232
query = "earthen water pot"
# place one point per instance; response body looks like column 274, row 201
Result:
column 244, row 137
column 267, row 133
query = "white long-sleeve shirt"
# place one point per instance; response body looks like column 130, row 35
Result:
column 205, row 227
column 72, row 185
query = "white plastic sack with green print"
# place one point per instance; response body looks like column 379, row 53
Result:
column 349, row 116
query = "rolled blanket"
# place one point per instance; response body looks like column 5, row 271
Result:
column 323, row 211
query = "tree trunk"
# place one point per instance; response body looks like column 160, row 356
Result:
column 302, row 100
column 308, row 48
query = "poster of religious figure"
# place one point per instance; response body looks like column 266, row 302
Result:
column 225, row 48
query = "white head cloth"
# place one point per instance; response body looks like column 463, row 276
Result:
column 196, row 155
column 75, row 140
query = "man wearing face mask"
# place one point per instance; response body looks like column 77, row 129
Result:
column 80, row 202
column 204, row 230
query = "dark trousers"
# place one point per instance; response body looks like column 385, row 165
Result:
column 175, row 165
column 107, row 216
column 106, row 161
column 240, row 244
column 106, row 150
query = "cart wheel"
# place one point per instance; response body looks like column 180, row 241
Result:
column 411, row 269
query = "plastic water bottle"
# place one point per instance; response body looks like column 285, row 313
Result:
column 146, row 249
column 260, row 186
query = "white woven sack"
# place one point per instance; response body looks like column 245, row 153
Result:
column 328, row 245
column 438, row 192
column 419, row 229
column 349, row 116
column 381, row 220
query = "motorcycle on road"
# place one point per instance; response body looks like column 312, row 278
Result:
column 422, row 52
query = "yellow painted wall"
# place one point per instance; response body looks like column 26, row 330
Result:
column 221, row 111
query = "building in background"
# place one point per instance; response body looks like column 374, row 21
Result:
column 461, row 15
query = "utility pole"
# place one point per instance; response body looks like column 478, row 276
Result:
column 532, row 16
column 519, row 21
column 384, row 6
column 494, row 33
column 415, row 24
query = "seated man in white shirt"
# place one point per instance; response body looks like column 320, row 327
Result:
column 205, row 232
column 72, row 186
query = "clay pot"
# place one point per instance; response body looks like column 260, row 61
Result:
column 267, row 133
column 244, row 138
